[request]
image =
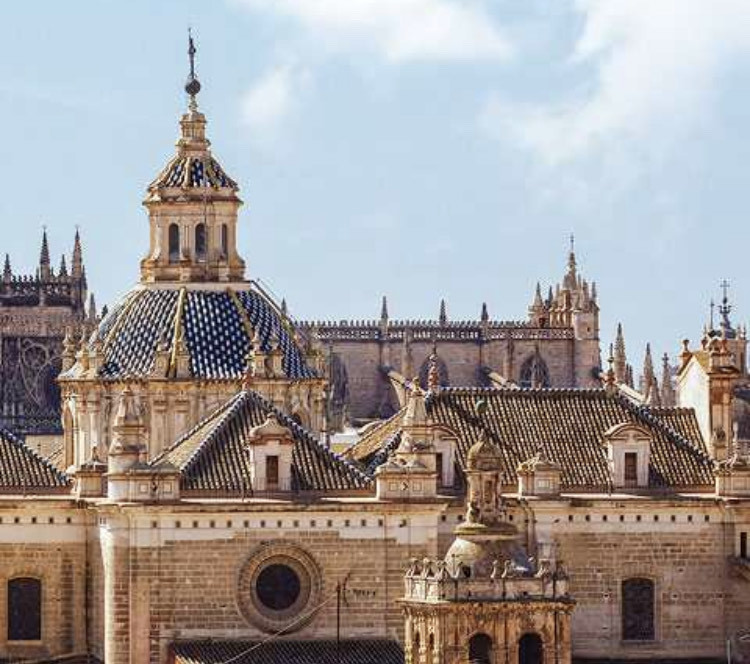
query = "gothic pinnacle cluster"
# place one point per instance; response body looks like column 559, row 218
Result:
column 46, row 286
column 562, row 308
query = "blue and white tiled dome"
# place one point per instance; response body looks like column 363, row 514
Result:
column 214, row 328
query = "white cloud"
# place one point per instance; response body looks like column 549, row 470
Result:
column 399, row 30
column 649, row 72
column 273, row 99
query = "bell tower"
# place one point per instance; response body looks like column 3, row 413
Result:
column 192, row 206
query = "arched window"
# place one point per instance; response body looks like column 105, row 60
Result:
column 174, row 243
column 416, row 646
column 224, row 241
column 200, row 242
column 534, row 372
column 480, row 649
column 638, row 610
column 24, row 609
column 530, row 649
column 430, row 648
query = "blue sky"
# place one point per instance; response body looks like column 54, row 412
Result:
column 417, row 148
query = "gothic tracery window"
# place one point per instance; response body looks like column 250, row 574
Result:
column 530, row 649
column 534, row 372
column 24, row 609
column 638, row 610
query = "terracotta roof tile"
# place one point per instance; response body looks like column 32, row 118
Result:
column 570, row 425
column 23, row 470
column 213, row 456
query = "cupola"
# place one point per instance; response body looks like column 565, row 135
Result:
column 193, row 207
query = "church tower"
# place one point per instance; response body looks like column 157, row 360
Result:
column 192, row 206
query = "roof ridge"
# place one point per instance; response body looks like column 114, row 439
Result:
column 215, row 414
column 644, row 413
column 295, row 426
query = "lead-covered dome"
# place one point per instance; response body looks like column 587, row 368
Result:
column 151, row 330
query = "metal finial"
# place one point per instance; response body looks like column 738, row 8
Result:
column 192, row 86
column 572, row 243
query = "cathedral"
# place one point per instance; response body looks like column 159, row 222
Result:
column 36, row 311
column 509, row 500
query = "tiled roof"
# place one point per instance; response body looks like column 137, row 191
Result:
column 23, row 470
column 213, row 456
column 184, row 171
column 214, row 325
column 570, row 425
column 377, row 439
column 360, row 651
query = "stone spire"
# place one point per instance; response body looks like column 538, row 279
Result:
column 77, row 263
column 283, row 307
column 44, row 263
column 63, row 272
column 619, row 356
column 92, row 310
column 667, row 389
column 443, row 313
column 570, row 281
column 485, row 315
column 650, row 388
column 384, row 309
column 7, row 272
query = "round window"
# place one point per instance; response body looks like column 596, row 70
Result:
column 278, row 585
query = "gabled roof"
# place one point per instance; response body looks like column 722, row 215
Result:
column 214, row 325
column 22, row 470
column 569, row 424
column 213, row 456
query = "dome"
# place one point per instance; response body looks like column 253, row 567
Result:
column 474, row 555
column 214, row 327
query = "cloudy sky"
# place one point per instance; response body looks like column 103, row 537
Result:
column 415, row 148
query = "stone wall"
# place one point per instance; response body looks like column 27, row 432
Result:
column 681, row 548
column 183, row 572
column 370, row 395
column 46, row 543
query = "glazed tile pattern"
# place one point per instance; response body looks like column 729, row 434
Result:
column 212, row 327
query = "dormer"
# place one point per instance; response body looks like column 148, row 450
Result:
column 628, row 451
column 270, row 447
column 539, row 476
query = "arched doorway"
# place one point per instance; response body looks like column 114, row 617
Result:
column 530, row 649
column 480, row 649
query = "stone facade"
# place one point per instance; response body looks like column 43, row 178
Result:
column 200, row 503
column 558, row 346
column 36, row 311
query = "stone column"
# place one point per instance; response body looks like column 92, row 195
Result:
column 114, row 536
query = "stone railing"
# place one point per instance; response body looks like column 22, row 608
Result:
column 431, row 580
column 429, row 331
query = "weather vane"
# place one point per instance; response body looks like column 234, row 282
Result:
column 192, row 86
